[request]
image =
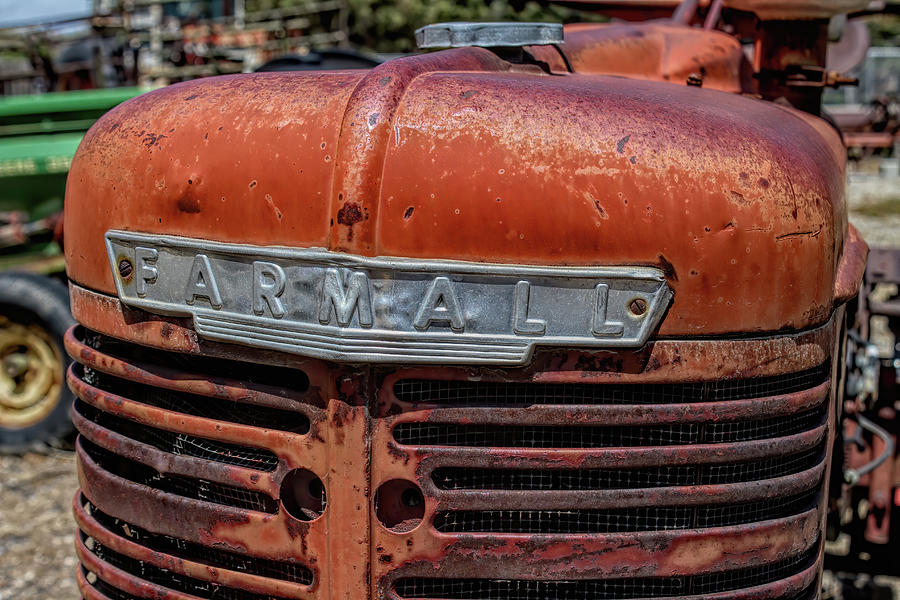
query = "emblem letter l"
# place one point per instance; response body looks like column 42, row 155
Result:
column 600, row 327
column 522, row 325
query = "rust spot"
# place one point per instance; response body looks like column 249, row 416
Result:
column 384, row 81
column 794, row 234
column 350, row 214
column 763, row 183
column 189, row 204
column 151, row 139
column 271, row 204
column 667, row 268
column 737, row 197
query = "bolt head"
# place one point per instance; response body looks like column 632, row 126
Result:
column 638, row 307
column 125, row 268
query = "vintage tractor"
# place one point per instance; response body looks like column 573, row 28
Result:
column 38, row 137
column 541, row 316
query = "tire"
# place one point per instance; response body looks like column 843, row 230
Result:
column 35, row 401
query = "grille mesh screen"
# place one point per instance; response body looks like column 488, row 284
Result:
column 204, row 554
column 198, row 489
column 543, row 436
column 600, row 589
column 485, row 393
column 620, row 520
column 459, row 478
column 465, row 478
column 581, row 436
column 181, row 443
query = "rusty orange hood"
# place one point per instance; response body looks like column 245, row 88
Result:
column 460, row 155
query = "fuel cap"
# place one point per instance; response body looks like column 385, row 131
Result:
column 487, row 35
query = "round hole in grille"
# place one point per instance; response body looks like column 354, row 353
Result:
column 399, row 505
column 303, row 495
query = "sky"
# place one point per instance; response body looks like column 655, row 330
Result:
column 27, row 12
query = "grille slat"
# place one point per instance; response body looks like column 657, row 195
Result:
column 582, row 436
column 487, row 393
column 215, row 557
column 537, row 436
column 197, row 489
column 603, row 589
column 181, row 443
column 201, row 406
column 283, row 382
column 467, row 478
column 170, row 579
column 620, row 521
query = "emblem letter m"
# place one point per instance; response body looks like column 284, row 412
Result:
column 345, row 301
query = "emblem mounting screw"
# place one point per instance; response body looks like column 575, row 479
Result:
column 638, row 307
column 125, row 268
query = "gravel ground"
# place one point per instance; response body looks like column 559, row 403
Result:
column 37, row 556
column 37, row 559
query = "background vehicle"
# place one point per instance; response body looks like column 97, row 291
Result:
column 482, row 323
column 38, row 137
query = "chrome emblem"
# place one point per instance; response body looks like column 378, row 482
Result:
column 341, row 307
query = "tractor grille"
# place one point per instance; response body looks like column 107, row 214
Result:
column 194, row 478
column 193, row 449
column 591, row 463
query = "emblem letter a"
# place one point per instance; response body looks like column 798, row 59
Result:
column 440, row 306
column 202, row 283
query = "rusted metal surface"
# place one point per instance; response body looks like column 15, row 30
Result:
column 789, row 61
column 655, row 51
column 797, row 9
column 715, row 189
column 852, row 266
column 350, row 445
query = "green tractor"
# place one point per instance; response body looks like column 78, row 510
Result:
column 38, row 138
